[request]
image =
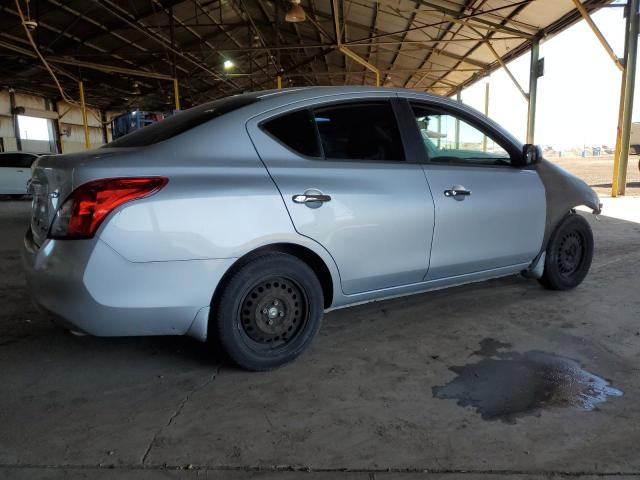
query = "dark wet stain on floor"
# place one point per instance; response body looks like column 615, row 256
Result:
column 507, row 385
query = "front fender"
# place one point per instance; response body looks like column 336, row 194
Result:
column 563, row 191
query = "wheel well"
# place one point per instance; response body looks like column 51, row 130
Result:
column 306, row 255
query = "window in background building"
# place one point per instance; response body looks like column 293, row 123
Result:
column 33, row 128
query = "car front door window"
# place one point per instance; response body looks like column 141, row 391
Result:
column 450, row 139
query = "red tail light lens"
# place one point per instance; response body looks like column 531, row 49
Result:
column 84, row 210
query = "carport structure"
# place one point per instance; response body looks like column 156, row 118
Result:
column 156, row 54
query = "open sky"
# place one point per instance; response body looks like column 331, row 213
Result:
column 579, row 94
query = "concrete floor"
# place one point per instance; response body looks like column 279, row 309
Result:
column 358, row 405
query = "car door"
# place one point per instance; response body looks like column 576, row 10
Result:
column 488, row 214
column 23, row 172
column 348, row 183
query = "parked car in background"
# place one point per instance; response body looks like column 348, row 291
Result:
column 243, row 219
column 15, row 172
column 131, row 121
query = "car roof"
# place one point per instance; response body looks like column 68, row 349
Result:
column 281, row 97
column 311, row 92
column 23, row 153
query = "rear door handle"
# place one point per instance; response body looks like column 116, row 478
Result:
column 457, row 191
column 305, row 198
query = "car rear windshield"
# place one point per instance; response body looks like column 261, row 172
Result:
column 181, row 122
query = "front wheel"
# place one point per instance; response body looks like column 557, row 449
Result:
column 569, row 254
column 269, row 311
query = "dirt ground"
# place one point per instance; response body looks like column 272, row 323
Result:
column 442, row 385
column 598, row 171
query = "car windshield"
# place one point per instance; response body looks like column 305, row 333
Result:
column 181, row 122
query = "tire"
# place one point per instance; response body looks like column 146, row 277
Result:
column 269, row 311
column 568, row 255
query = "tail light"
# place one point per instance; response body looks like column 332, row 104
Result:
column 84, row 210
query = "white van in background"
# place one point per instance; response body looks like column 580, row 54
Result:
column 15, row 172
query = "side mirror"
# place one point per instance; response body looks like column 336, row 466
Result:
column 531, row 154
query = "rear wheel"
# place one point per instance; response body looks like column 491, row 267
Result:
column 569, row 254
column 269, row 311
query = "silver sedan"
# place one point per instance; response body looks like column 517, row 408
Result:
column 244, row 219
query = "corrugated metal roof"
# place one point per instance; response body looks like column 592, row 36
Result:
column 429, row 45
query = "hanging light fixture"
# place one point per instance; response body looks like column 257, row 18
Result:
column 228, row 64
column 295, row 13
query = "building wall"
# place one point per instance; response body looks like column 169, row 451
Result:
column 7, row 134
column 70, row 124
column 72, row 129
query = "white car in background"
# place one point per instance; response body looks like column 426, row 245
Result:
column 15, row 172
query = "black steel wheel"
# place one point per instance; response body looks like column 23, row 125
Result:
column 269, row 311
column 569, row 254
column 273, row 312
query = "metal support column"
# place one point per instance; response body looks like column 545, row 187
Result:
column 279, row 82
column 57, row 129
column 533, row 89
column 457, row 139
column 176, row 93
column 629, row 76
column 103, row 121
column 14, row 118
column 87, row 142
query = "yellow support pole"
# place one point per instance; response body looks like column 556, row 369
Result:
column 619, row 181
column 617, row 150
column 279, row 82
column 176, row 93
column 87, row 142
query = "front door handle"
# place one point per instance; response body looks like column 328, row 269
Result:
column 307, row 198
column 457, row 191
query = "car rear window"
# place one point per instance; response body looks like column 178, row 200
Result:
column 181, row 122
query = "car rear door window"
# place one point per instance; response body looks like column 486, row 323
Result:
column 450, row 139
column 359, row 131
column 10, row 160
column 297, row 131
column 25, row 161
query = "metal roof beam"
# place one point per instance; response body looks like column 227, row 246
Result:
column 598, row 34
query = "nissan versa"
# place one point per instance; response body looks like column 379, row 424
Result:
column 245, row 218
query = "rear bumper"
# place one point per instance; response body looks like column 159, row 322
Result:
column 89, row 287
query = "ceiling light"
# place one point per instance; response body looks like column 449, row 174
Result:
column 228, row 64
column 295, row 13
column 31, row 24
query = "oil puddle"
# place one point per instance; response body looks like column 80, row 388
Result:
column 508, row 385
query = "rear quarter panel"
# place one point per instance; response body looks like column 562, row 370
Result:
column 220, row 201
